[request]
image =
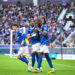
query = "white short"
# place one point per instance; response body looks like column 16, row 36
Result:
column 36, row 47
column 44, row 49
column 23, row 51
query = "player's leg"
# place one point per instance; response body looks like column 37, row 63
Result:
column 40, row 57
column 25, row 55
column 37, row 54
column 34, row 53
column 33, row 62
column 46, row 51
column 22, row 58
column 37, row 58
column 33, row 59
column 40, row 61
column 39, row 64
column 37, row 51
column 49, row 61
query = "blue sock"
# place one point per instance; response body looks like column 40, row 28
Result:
column 37, row 57
column 39, row 62
column 24, row 59
column 49, row 62
column 33, row 59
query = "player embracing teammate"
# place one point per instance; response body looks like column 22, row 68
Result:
column 38, row 33
column 44, row 43
column 35, row 37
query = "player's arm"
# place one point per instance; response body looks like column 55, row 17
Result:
column 17, row 41
column 44, row 32
column 35, row 30
column 24, row 37
column 29, row 36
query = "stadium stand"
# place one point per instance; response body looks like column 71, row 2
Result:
column 22, row 13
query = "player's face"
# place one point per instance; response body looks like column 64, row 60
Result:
column 39, row 24
column 14, row 27
column 32, row 22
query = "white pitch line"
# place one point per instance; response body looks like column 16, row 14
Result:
column 65, row 65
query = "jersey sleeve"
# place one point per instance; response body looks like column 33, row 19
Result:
column 24, row 36
column 28, row 31
column 20, row 33
column 44, row 29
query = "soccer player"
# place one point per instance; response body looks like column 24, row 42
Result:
column 34, row 36
column 42, row 28
column 23, row 50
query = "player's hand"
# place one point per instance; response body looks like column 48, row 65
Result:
column 14, row 42
column 22, row 44
column 38, row 28
column 35, row 30
column 29, row 37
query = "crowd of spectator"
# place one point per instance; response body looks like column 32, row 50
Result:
column 23, row 13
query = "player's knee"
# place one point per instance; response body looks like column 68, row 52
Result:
column 25, row 56
column 46, row 55
column 18, row 57
column 34, row 53
column 41, row 54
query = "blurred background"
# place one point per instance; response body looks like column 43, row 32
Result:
column 60, row 19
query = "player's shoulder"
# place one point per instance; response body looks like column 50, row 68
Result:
column 29, row 29
column 35, row 26
column 20, row 30
column 44, row 26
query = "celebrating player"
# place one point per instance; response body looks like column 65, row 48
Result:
column 34, row 36
column 42, row 28
column 23, row 51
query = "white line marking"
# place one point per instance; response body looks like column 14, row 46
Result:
column 65, row 65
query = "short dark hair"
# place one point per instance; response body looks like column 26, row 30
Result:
column 31, row 20
column 15, row 24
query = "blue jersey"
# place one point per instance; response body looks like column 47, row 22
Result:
column 44, row 40
column 21, row 36
column 35, row 39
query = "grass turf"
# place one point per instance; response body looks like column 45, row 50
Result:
column 13, row 66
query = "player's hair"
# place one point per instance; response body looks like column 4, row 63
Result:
column 15, row 24
column 44, row 19
column 31, row 20
column 39, row 23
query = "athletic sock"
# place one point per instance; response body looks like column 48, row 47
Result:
column 37, row 57
column 24, row 59
column 50, row 63
column 33, row 59
column 39, row 62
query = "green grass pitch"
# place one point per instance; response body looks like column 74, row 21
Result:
column 13, row 66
